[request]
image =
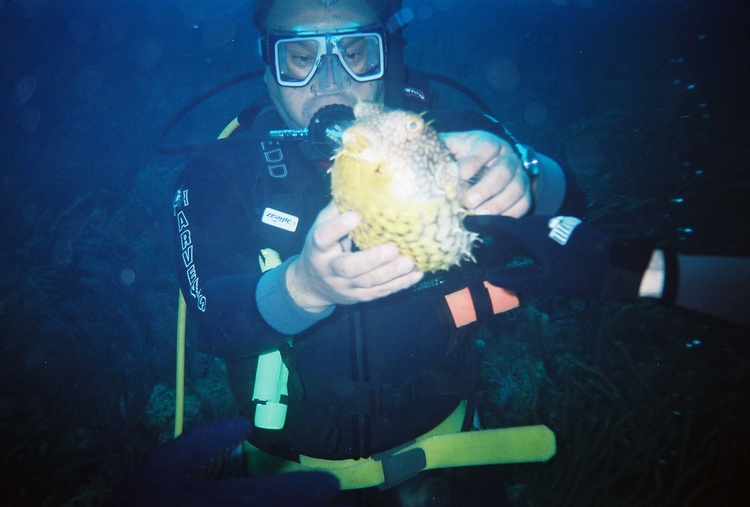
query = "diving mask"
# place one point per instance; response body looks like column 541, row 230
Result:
column 295, row 56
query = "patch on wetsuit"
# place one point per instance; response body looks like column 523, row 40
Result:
column 280, row 219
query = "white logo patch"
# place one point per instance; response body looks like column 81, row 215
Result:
column 561, row 228
column 280, row 219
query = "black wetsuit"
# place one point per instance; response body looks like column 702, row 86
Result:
column 364, row 379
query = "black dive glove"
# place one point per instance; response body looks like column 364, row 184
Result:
column 559, row 256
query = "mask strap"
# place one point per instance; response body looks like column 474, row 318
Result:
column 399, row 19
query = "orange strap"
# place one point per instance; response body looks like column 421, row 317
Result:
column 462, row 308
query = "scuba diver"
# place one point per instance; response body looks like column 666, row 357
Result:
column 350, row 361
column 369, row 360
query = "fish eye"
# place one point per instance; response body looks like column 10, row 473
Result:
column 414, row 125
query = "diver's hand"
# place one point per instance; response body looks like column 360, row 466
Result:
column 502, row 186
column 183, row 472
column 328, row 272
column 560, row 256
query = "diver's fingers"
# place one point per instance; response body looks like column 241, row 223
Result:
column 375, row 272
column 499, row 194
column 464, row 144
column 355, row 264
column 390, row 287
column 506, row 205
column 384, row 280
column 474, row 150
column 495, row 180
column 331, row 227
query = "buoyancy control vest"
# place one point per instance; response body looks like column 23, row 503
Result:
column 289, row 183
column 356, row 400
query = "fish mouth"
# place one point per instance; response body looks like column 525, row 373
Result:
column 355, row 141
column 358, row 145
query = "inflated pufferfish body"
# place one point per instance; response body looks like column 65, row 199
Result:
column 394, row 170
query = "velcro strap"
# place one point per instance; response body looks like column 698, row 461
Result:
column 471, row 304
column 482, row 302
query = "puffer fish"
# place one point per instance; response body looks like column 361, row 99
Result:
column 395, row 171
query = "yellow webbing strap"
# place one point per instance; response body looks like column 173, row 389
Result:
column 435, row 449
column 229, row 129
column 268, row 259
column 523, row 444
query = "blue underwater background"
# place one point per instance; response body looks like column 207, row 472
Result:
column 645, row 100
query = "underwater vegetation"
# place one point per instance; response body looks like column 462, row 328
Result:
column 86, row 327
column 647, row 405
column 647, row 402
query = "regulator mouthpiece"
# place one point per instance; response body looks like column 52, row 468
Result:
column 324, row 131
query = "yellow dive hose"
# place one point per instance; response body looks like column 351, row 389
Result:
column 179, row 391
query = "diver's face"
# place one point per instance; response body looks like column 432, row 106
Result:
column 330, row 85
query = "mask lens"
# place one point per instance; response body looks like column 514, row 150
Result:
column 361, row 55
column 296, row 59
